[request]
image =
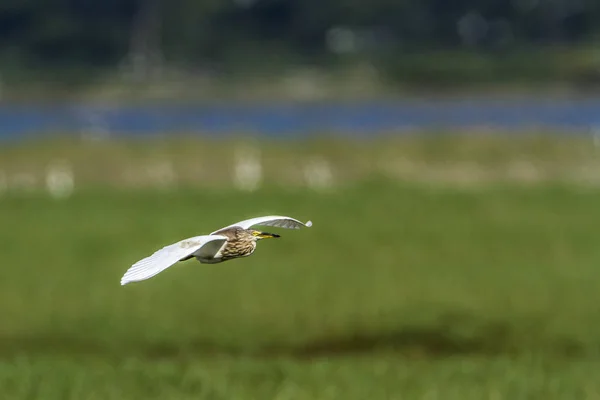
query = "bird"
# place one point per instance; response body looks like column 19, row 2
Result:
column 233, row 241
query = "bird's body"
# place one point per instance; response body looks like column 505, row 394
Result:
column 240, row 243
column 233, row 241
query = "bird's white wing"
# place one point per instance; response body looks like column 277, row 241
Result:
column 271, row 220
column 171, row 254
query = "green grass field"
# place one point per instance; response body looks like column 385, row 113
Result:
column 400, row 290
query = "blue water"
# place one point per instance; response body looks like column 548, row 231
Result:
column 289, row 120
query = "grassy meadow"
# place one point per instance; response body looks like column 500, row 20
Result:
column 437, row 268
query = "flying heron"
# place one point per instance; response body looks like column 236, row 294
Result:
column 233, row 241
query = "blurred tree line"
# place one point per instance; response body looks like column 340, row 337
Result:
column 418, row 40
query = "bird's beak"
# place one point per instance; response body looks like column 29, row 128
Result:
column 266, row 235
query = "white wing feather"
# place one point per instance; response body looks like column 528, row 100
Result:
column 169, row 255
column 271, row 220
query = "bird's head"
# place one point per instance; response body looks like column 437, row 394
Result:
column 258, row 235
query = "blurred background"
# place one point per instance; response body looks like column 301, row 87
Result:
column 447, row 153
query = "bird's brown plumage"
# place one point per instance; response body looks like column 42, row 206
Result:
column 240, row 243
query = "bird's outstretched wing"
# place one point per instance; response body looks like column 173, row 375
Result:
column 271, row 220
column 171, row 254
